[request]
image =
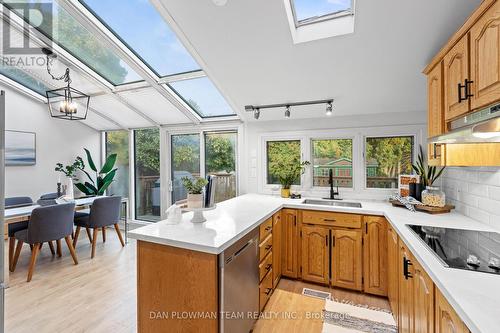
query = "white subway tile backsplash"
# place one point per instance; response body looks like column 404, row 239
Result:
column 475, row 192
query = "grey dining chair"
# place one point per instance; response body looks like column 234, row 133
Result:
column 104, row 212
column 13, row 202
column 46, row 224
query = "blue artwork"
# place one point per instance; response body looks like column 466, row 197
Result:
column 20, row 148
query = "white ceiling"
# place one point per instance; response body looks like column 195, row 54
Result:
column 248, row 51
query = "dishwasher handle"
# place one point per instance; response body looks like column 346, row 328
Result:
column 240, row 251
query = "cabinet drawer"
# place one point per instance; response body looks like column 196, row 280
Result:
column 266, row 228
column 331, row 219
column 265, row 289
column 265, row 266
column 265, row 247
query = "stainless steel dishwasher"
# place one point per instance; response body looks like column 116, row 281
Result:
column 239, row 284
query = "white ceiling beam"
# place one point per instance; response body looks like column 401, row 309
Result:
column 102, row 33
column 43, row 41
column 182, row 77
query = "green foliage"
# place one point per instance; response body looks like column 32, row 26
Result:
column 220, row 153
column 117, row 142
column 393, row 155
column 195, row 185
column 104, row 177
column 284, row 163
column 147, row 150
column 70, row 170
column 428, row 174
column 186, row 152
column 333, row 149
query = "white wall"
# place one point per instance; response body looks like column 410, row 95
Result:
column 252, row 175
column 56, row 141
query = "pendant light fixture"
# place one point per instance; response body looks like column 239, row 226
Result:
column 65, row 102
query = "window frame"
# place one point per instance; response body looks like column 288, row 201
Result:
column 321, row 18
column 267, row 161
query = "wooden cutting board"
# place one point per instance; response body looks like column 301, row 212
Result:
column 427, row 209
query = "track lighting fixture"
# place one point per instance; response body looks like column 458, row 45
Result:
column 287, row 111
column 256, row 113
column 288, row 106
column 329, row 109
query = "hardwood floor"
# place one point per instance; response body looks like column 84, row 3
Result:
column 290, row 312
column 97, row 295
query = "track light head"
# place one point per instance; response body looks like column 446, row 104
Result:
column 287, row 111
column 329, row 109
column 256, row 113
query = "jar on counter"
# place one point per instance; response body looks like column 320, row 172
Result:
column 433, row 196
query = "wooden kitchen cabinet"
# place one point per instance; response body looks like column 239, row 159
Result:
column 485, row 58
column 276, row 249
column 447, row 320
column 375, row 255
column 289, row 262
column 405, row 315
column 435, row 113
column 346, row 259
column 423, row 300
column 393, row 271
column 456, row 71
column 315, row 252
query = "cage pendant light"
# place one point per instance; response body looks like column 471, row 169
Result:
column 66, row 102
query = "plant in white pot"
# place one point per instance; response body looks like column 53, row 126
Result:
column 194, row 187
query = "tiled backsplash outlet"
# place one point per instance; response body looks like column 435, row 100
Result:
column 475, row 192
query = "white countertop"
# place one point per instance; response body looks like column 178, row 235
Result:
column 474, row 295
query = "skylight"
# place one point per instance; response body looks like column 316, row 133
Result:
column 73, row 37
column 140, row 26
column 203, row 97
column 24, row 79
column 309, row 11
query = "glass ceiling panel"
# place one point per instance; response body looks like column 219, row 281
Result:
column 73, row 37
column 310, row 9
column 141, row 27
column 23, row 78
column 203, row 97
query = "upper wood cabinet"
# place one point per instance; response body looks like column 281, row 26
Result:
column 447, row 320
column 456, row 71
column 393, row 271
column 346, row 259
column 277, row 230
column 315, row 254
column 485, row 58
column 435, row 101
column 289, row 246
column 375, row 255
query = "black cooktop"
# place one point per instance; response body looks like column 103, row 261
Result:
column 463, row 249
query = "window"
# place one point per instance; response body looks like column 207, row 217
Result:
column 185, row 162
column 220, row 161
column 117, row 143
column 335, row 155
column 203, row 97
column 24, row 79
column 140, row 26
column 280, row 154
column 308, row 11
column 147, row 174
column 386, row 158
column 73, row 37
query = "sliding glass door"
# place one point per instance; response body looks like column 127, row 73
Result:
column 147, row 174
column 117, row 143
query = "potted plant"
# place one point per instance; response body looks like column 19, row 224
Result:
column 428, row 175
column 70, row 172
column 288, row 171
column 194, row 187
column 103, row 178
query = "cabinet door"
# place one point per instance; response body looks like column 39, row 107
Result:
column 447, row 320
column 276, row 249
column 375, row 255
column 485, row 58
column 423, row 300
column 315, row 254
column 393, row 271
column 435, row 101
column 346, row 259
column 289, row 262
column 405, row 291
column 456, row 70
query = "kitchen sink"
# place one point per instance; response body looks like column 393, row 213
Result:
column 332, row 203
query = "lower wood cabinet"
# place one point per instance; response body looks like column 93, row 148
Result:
column 276, row 249
column 346, row 259
column 289, row 246
column 393, row 271
column 315, row 253
column 375, row 255
column 423, row 300
column 446, row 319
column 405, row 290
column 265, row 290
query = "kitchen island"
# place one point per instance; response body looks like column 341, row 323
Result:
column 178, row 279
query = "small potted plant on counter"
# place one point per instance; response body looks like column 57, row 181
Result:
column 288, row 171
column 431, row 195
column 194, row 187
